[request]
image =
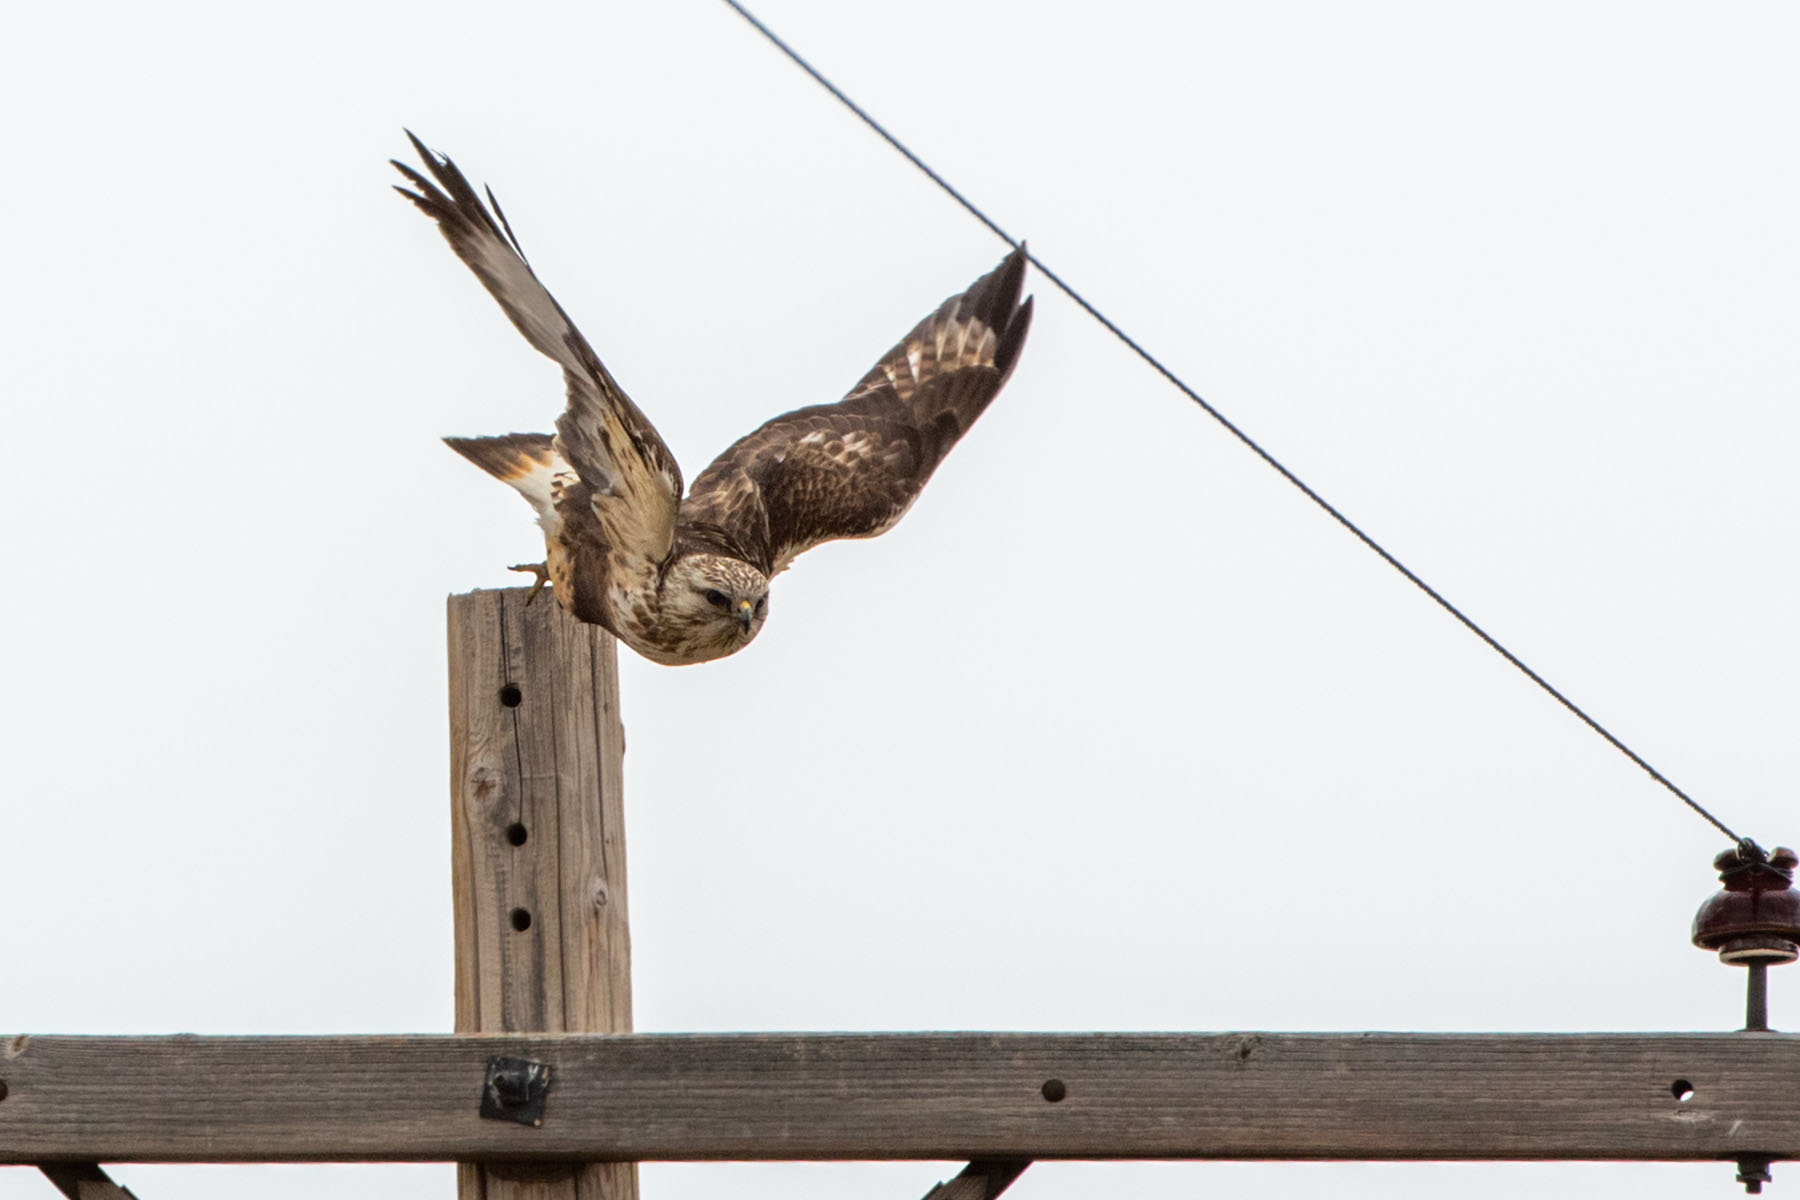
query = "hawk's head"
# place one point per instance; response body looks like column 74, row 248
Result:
column 712, row 605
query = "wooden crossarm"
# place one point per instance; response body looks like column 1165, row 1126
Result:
column 939, row 1096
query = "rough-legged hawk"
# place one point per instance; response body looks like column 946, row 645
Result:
column 687, row 580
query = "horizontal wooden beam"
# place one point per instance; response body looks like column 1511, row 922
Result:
column 906, row 1096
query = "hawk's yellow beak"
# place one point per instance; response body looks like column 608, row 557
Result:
column 746, row 613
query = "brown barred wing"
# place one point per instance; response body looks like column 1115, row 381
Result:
column 852, row 469
column 632, row 478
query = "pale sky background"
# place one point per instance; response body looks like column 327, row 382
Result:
column 1513, row 284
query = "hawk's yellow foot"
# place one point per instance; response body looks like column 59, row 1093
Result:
column 541, row 570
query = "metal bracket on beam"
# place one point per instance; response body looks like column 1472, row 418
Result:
column 1753, row 1172
column 514, row 1090
column 983, row 1179
column 84, row 1181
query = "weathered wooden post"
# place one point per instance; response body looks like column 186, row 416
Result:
column 538, row 847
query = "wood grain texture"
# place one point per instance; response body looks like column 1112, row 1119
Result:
column 907, row 1096
column 537, row 838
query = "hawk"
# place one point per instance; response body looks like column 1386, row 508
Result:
column 685, row 579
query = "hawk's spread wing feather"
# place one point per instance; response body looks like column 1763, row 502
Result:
column 852, row 469
column 632, row 481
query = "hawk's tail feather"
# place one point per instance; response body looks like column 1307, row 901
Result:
column 509, row 455
column 527, row 461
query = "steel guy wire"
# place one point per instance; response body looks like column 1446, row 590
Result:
column 1746, row 847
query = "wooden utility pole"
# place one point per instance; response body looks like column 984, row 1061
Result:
column 538, row 846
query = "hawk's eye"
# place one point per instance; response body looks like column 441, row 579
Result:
column 716, row 598
column 761, row 605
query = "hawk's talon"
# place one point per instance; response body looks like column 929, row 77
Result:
column 541, row 570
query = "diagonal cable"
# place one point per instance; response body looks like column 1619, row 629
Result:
column 1748, row 847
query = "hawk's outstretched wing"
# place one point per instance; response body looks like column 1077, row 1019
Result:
column 632, row 479
column 851, row 469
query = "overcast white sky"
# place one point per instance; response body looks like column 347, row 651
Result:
column 1513, row 284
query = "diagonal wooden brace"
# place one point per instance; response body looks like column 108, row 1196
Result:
column 983, row 1179
column 84, row 1181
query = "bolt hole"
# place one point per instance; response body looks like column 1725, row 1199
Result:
column 515, row 834
column 521, row 920
column 1682, row 1090
column 2, row 1089
column 511, row 696
column 1054, row 1090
